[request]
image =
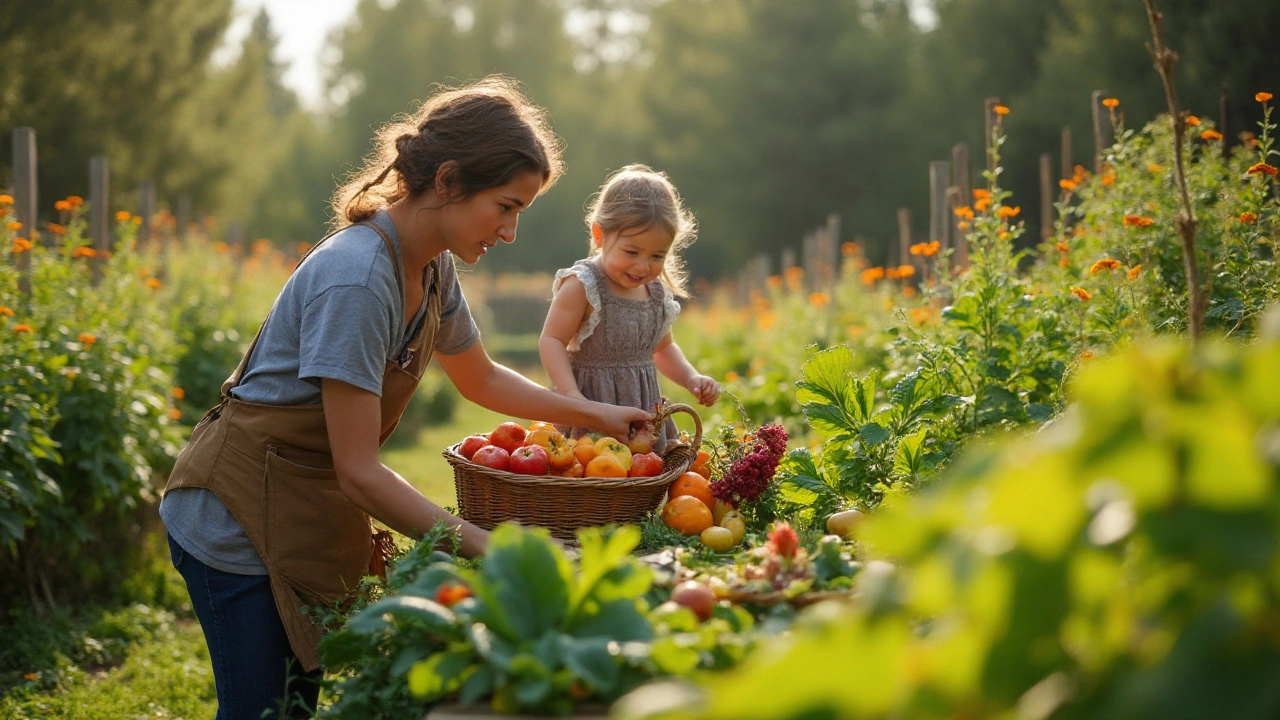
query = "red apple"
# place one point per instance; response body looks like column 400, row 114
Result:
column 508, row 436
column 697, row 597
column 492, row 456
column 643, row 438
column 645, row 465
column 529, row 460
column 472, row 443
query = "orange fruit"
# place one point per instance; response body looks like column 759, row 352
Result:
column 605, row 466
column 700, row 464
column 695, row 485
column 687, row 515
column 719, row 509
column 585, row 450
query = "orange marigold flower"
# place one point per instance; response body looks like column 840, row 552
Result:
column 981, row 194
column 6, row 199
column 819, row 299
column 1137, row 221
column 931, row 248
column 918, row 248
column 906, row 271
column 1086, row 355
column 87, row 252
column 892, row 273
column 1006, row 212
column 849, row 248
column 773, row 282
column 22, row 328
column 1262, row 97
column 1062, row 247
column 908, row 291
column 62, row 206
column 1107, row 264
column 123, row 216
column 1005, row 235
column 21, row 244
column 920, row 315
column 1155, row 168
column 1111, row 102
column 175, row 414
column 1066, row 184
column 14, row 226
column 1248, row 217
column 962, row 225
column 86, row 338
column 75, row 201
column 57, row 229
column 1210, row 135
column 136, row 219
column 1000, row 110
column 154, row 284
column 981, row 204
column 1134, row 272
column 6, row 311
column 855, row 330
column 221, row 248
column 179, row 393
column 1108, row 179
column 964, row 211
column 1081, row 293
column 1193, row 121
column 870, row 275
column 1263, row 168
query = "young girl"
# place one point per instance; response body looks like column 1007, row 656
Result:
column 608, row 332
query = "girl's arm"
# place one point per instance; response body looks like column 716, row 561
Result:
column 353, row 416
column 671, row 362
column 569, row 307
column 505, row 391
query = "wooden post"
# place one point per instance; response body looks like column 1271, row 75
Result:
column 1046, row 196
column 939, row 173
column 990, row 124
column 1103, row 132
column 809, row 255
column 146, row 210
column 960, row 172
column 904, row 239
column 184, row 216
column 99, row 212
column 1068, row 167
column 832, row 250
column 956, row 199
column 24, row 197
column 787, row 260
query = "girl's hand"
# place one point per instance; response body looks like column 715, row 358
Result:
column 705, row 389
column 615, row 420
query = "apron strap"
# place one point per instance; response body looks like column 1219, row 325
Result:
column 235, row 377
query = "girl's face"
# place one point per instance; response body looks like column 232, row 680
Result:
column 474, row 225
column 631, row 258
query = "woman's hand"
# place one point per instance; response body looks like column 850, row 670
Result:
column 705, row 389
column 615, row 420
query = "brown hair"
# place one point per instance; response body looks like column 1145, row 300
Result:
column 637, row 198
column 489, row 130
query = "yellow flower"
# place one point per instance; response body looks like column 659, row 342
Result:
column 86, row 338
column 1000, row 110
column 1137, row 221
column 123, row 216
column 1081, row 293
column 1248, row 217
column 1210, row 135
column 1111, row 103
column 22, row 328
column 6, row 199
column 154, row 284
column 1262, row 97
column 1107, row 264
column 1263, row 168
column 819, row 299
column 1193, row 121
column 1134, row 272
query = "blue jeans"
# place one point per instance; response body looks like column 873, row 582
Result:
column 254, row 668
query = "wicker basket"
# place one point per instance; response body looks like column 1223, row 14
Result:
column 488, row 497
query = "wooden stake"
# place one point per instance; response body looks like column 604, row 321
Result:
column 24, row 197
column 939, row 173
column 1046, row 196
column 960, row 172
column 1103, row 132
column 1068, row 167
column 904, row 240
column 99, row 211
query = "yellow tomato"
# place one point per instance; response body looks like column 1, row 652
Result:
column 718, row 538
column 612, row 446
column 733, row 522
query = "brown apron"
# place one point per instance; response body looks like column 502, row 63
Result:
column 271, row 466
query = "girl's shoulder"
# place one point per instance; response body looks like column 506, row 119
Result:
column 587, row 275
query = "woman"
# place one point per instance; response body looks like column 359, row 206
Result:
column 268, row 505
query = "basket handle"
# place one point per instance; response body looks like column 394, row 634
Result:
column 670, row 409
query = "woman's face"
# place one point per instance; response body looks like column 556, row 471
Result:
column 474, row 225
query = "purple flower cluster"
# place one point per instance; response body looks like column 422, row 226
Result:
column 750, row 474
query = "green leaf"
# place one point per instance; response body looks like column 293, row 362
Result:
column 607, row 571
column 872, row 434
column 480, row 684
column 590, row 660
column 619, row 620
column 373, row 618
column 673, row 657
column 907, row 459
column 530, row 577
column 531, row 691
column 440, row 674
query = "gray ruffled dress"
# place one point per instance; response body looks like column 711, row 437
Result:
column 612, row 355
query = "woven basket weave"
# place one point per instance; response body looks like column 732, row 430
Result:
column 487, row 497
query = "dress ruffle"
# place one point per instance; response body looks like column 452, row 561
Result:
column 588, row 279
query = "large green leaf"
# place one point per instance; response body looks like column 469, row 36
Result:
column 439, row 674
column 530, row 578
column 907, row 460
column 619, row 620
column 373, row 618
column 589, row 659
column 607, row 571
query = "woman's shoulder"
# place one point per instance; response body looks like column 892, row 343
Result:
column 354, row 255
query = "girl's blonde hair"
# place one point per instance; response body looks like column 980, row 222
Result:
column 638, row 198
column 489, row 130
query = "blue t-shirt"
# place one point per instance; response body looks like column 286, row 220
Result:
column 339, row 316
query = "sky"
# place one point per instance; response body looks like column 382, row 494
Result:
column 302, row 26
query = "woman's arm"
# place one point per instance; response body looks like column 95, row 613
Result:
column 671, row 362
column 501, row 389
column 353, row 416
column 569, row 307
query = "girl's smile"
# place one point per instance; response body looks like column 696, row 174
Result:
column 632, row 259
